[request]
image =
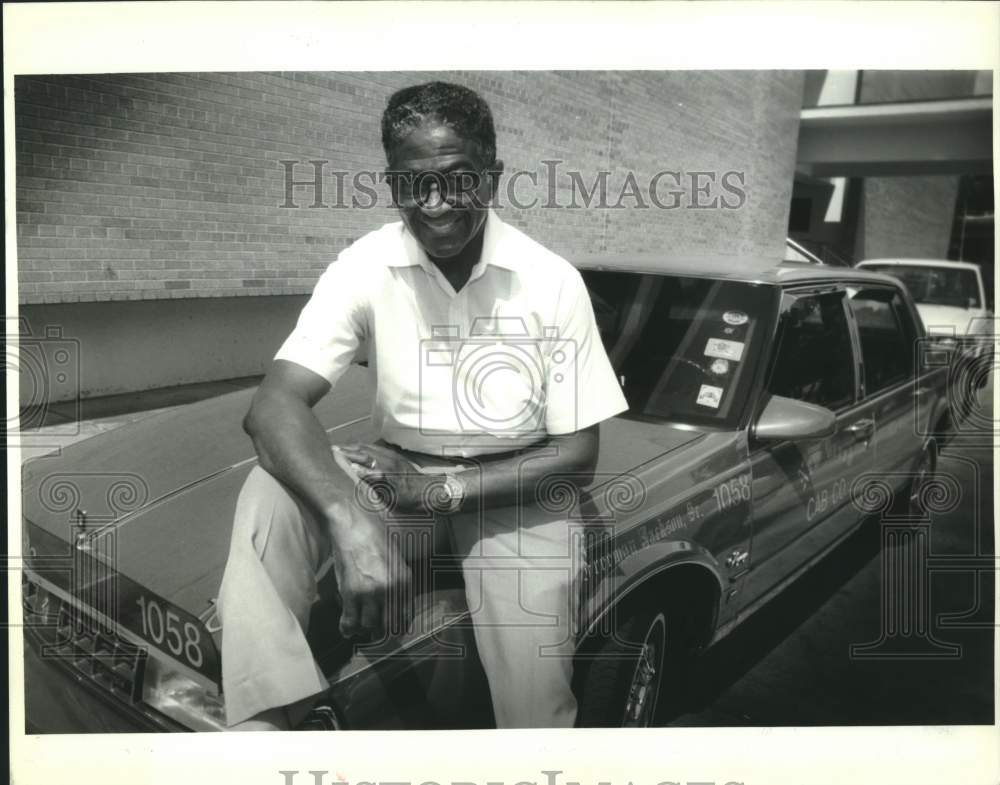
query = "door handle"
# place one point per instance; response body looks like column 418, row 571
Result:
column 861, row 429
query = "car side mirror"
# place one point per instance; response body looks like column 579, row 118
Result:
column 786, row 418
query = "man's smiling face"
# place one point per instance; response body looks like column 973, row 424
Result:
column 442, row 221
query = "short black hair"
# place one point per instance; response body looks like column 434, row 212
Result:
column 452, row 104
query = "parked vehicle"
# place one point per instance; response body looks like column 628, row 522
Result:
column 952, row 302
column 950, row 296
column 764, row 398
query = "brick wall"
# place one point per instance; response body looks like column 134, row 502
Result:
column 149, row 186
column 906, row 217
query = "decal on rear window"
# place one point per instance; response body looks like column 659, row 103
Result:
column 726, row 350
column 709, row 396
column 719, row 367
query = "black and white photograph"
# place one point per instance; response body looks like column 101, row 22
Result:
column 445, row 398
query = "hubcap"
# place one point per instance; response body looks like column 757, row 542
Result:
column 642, row 694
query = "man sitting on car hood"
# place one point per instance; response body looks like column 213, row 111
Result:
column 450, row 279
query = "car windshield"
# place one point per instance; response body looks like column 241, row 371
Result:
column 928, row 285
column 683, row 348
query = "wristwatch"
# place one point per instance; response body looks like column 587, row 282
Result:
column 454, row 494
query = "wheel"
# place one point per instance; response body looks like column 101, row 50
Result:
column 621, row 675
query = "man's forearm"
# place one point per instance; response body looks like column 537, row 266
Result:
column 292, row 447
column 517, row 480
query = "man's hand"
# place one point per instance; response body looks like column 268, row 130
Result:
column 384, row 469
column 372, row 576
column 293, row 447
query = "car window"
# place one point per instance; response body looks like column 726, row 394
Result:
column 684, row 348
column 953, row 286
column 814, row 360
column 886, row 332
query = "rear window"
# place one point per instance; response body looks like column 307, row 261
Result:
column 684, row 348
column 953, row 286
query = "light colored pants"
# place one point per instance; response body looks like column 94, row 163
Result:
column 520, row 584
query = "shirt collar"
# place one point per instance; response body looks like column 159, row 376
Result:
column 492, row 253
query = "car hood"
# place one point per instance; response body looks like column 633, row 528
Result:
column 940, row 319
column 168, row 484
column 167, row 487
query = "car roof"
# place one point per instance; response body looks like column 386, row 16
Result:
column 923, row 263
column 749, row 269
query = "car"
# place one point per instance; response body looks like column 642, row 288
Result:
column 766, row 399
column 952, row 302
column 950, row 296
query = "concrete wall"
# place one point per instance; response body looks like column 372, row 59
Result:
column 883, row 86
column 906, row 216
column 89, row 349
column 830, row 88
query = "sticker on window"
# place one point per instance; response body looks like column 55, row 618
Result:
column 735, row 318
column 709, row 396
column 723, row 349
column 719, row 367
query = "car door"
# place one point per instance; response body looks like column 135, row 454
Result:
column 801, row 488
column 886, row 335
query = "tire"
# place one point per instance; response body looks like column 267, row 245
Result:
column 620, row 677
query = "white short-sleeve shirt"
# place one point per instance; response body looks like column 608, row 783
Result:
column 510, row 358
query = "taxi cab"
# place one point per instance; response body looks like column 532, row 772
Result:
column 766, row 400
